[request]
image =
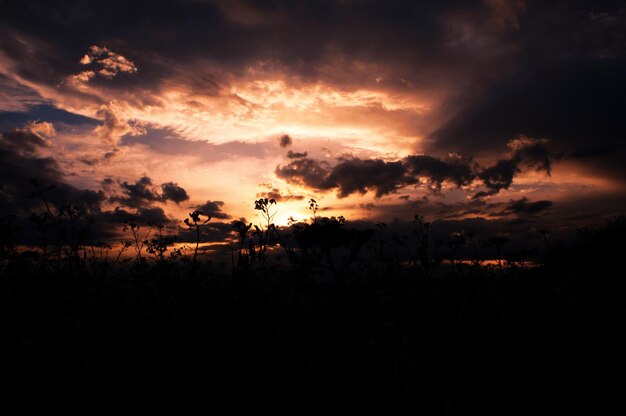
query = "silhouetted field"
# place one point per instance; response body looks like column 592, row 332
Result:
column 334, row 332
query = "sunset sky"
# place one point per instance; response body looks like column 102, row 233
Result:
column 506, row 111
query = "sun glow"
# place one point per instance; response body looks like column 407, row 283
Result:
column 286, row 217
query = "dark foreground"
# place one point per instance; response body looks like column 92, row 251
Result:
column 176, row 338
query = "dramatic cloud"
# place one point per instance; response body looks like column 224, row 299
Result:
column 359, row 176
column 173, row 192
column 214, row 209
column 524, row 206
column 143, row 192
column 497, row 177
column 111, row 63
column 17, row 97
column 32, row 184
column 398, row 98
column 306, row 172
column 354, row 175
column 28, row 138
column 526, row 151
column 277, row 195
column 455, row 169
column 104, row 63
column 113, row 127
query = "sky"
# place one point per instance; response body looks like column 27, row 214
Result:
column 500, row 114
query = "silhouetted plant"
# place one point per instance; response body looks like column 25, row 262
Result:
column 457, row 241
column 100, row 252
column 313, row 207
column 7, row 237
column 48, row 217
column 243, row 259
column 427, row 258
column 266, row 232
column 377, row 248
column 158, row 245
column 475, row 245
column 72, row 214
column 138, row 242
column 124, row 246
column 318, row 241
column 498, row 243
column 40, row 192
column 42, row 223
column 194, row 222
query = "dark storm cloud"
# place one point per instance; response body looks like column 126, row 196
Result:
column 497, row 177
column 142, row 216
column 457, row 170
column 534, row 54
column 517, row 209
column 285, row 140
column 173, row 192
column 16, row 97
column 525, row 151
column 31, row 184
column 306, row 172
column 542, row 69
column 214, row 209
column 296, row 155
column 358, row 176
column 158, row 38
column 108, row 226
column 137, row 194
column 23, row 140
column 567, row 85
column 524, row 206
column 213, row 232
column 28, row 182
column 354, row 175
column 20, row 164
column 277, row 195
column 36, row 62
column 573, row 105
column 533, row 152
column 554, row 68
column 143, row 193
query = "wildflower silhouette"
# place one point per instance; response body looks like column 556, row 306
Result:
column 138, row 242
column 427, row 257
column 313, row 207
column 196, row 223
column 158, row 245
column 243, row 255
column 266, row 233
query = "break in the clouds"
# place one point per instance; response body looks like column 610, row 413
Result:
column 182, row 103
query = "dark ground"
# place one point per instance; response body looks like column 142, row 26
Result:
column 178, row 339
